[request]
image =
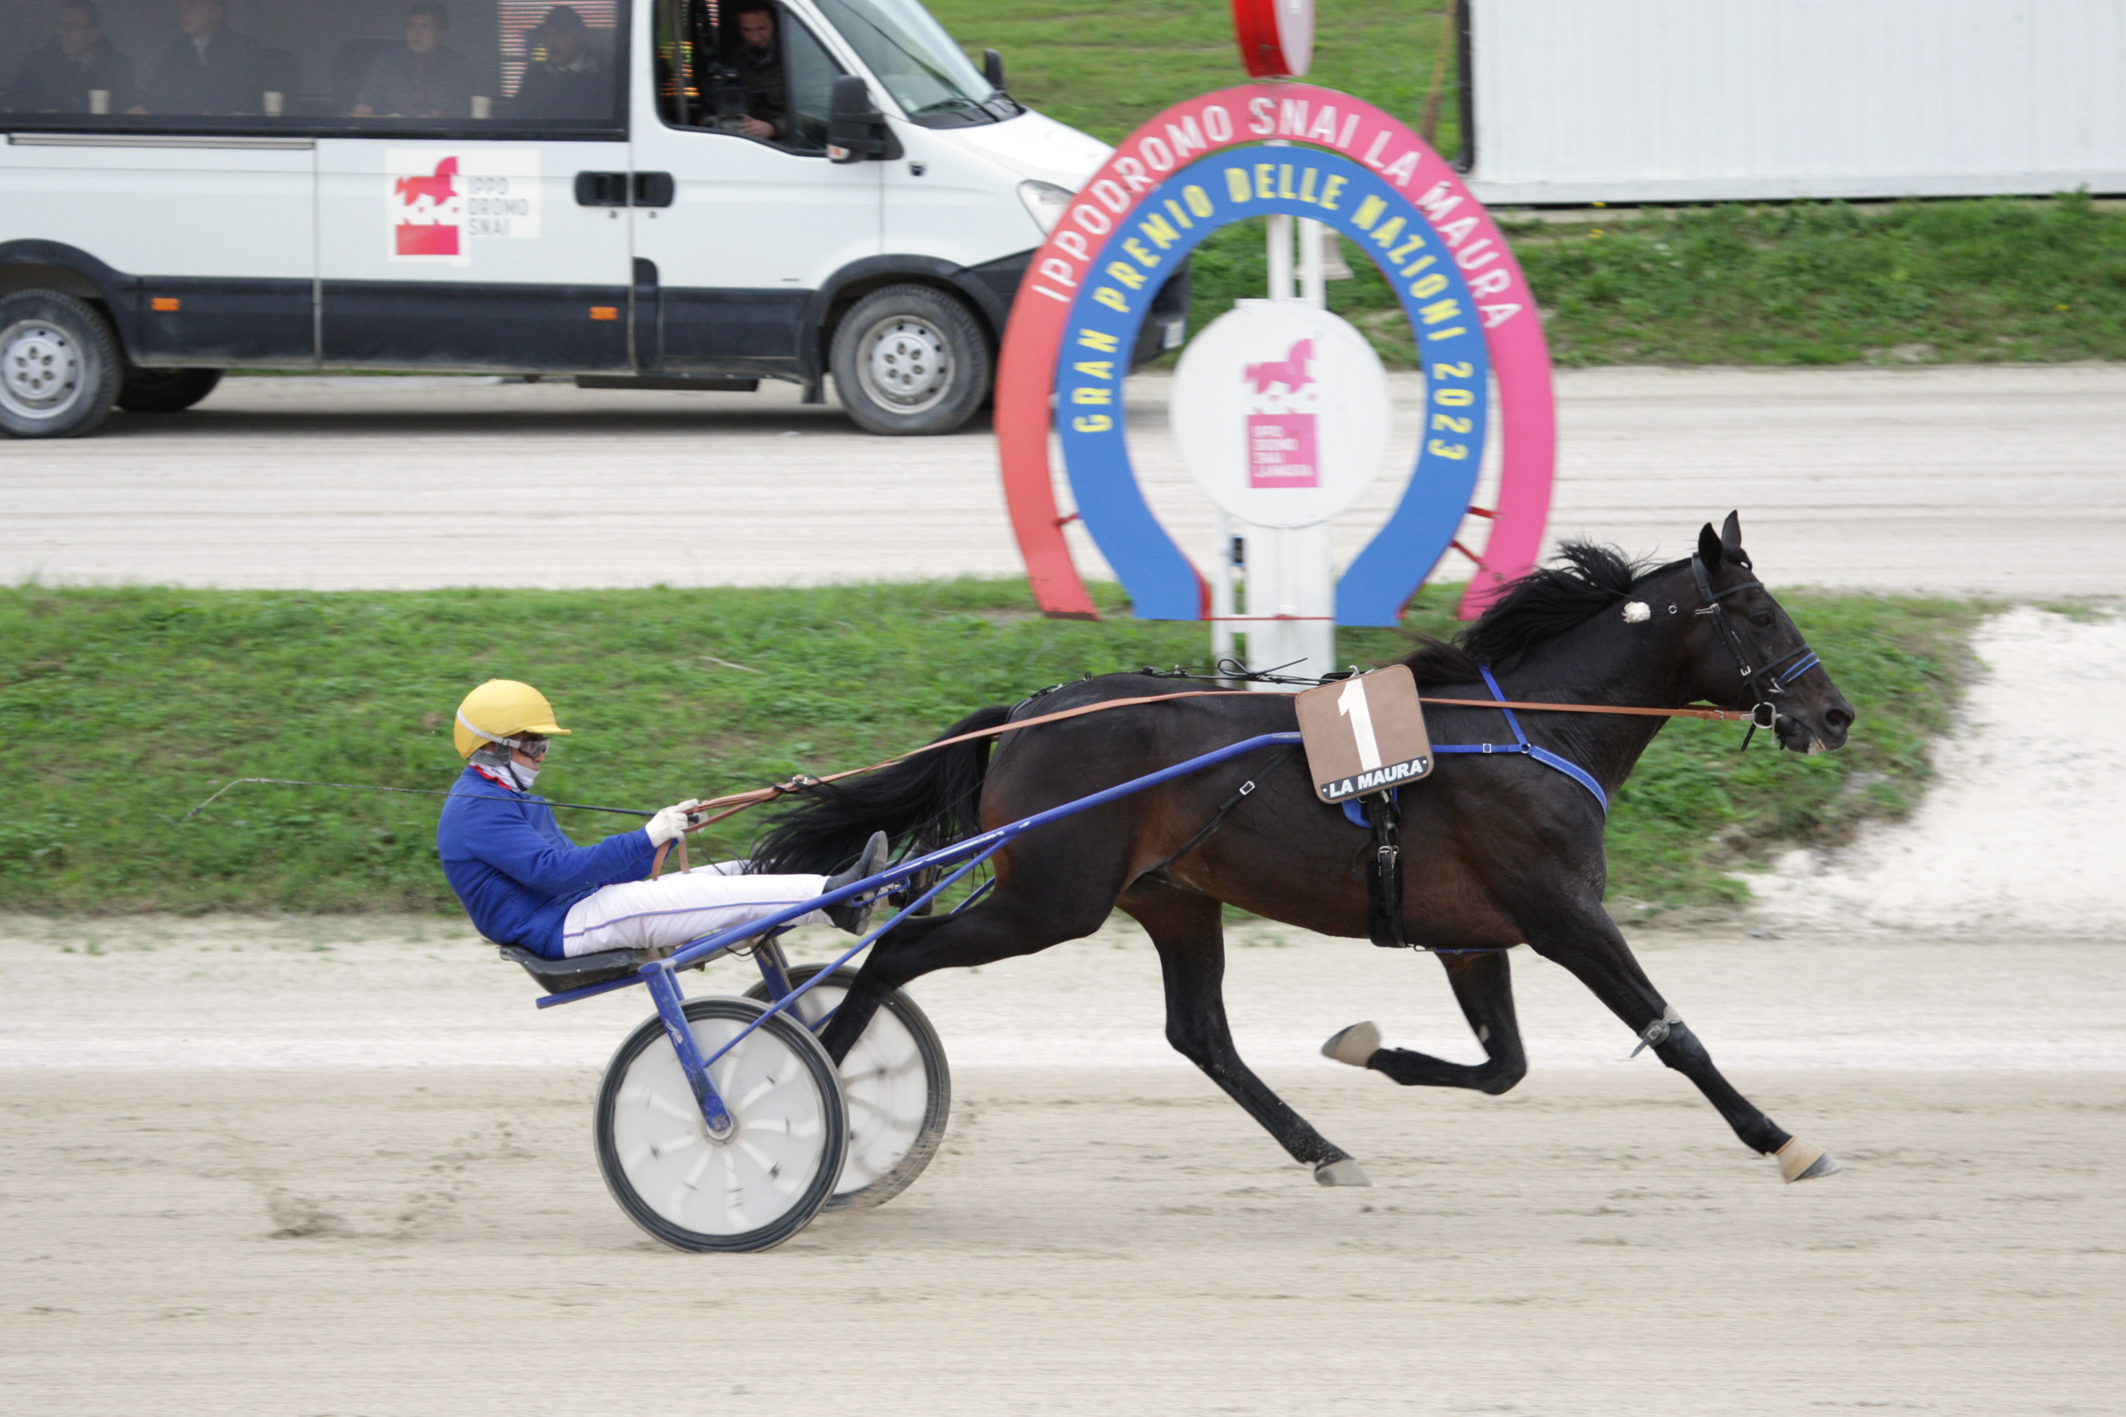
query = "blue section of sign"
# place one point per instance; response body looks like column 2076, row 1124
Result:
column 1173, row 218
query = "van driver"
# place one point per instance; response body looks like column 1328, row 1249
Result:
column 759, row 65
column 524, row 883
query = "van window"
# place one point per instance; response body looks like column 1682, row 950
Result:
column 919, row 64
column 752, row 69
column 491, row 68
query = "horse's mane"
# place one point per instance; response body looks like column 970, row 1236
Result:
column 1586, row 580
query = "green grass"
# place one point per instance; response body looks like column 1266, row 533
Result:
column 1810, row 283
column 120, row 709
column 1104, row 66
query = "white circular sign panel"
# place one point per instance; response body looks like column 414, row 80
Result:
column 1281, row 413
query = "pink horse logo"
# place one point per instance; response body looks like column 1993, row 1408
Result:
column 1290, row 371
column 433, row 237
column 436, row 189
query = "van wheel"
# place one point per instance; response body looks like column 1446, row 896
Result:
column 58, row 365
column 165, row 390
column 909, row 359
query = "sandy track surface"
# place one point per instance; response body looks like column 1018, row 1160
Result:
column 438, row 1241
column 194, row 1221
column 2002, row 480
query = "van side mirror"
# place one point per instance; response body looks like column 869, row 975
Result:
column 993, row 69
column 856, row 130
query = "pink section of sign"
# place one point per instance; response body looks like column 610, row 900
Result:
column 1281, row 450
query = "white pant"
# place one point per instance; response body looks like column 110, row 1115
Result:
column 682, row 906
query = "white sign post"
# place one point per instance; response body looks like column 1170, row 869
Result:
column 1281, row 413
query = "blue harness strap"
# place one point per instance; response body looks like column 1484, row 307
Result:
column 1520, row 744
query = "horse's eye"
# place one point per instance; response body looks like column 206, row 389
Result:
column 1762, row 619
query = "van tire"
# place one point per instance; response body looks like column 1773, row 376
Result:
column 910, row 360
column 59, row 366
column 165, row 390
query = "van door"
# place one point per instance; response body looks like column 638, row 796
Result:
column 497, row 238
column 740, row 219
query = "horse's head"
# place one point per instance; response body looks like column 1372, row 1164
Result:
column 1745, row 652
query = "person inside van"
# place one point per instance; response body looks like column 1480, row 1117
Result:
column 759, row 66
column 568, row 82
column 208, row 68
column 524, row 883
column 79, row 61
column 426, row 79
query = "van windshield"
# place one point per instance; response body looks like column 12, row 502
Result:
column 917, row 61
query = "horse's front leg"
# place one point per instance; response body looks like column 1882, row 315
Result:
column 1586, row 941
column 1189, row 934
column 1483, row 986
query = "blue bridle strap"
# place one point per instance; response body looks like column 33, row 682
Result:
column 1520, row 744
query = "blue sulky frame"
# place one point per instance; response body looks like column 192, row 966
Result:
column 659, row 975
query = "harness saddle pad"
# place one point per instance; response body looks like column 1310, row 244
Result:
column 1364, row 734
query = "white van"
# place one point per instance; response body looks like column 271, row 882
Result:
column 640, row 193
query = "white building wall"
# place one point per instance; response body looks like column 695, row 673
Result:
column 1691, row 100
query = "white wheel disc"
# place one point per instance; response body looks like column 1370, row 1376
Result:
column 40, row 369
column 787, row 1130
column 886, row 1086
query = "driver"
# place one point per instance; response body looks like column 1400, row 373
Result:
column 759, row 65
column 524, row 883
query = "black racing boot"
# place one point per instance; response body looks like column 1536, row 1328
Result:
column 854, row 913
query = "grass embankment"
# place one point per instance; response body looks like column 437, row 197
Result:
column 121, row 709
column 1811, row 283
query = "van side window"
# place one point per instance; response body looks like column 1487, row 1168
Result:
column 749, row 67
column 488, row 68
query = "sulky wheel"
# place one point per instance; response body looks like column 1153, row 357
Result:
column 898, row 1088
column 751, row 1190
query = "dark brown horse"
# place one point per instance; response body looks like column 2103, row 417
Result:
column 1496, row 850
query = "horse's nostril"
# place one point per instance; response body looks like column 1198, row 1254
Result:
column 1838, row 718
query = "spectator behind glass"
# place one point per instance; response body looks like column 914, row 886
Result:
column 759, row 65
column 568, row 82
column 426, row 79
column 209, row 67
column 59, row 77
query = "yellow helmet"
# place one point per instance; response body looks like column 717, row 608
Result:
column 499, row 710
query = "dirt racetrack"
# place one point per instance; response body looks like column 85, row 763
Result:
column 196, row 1223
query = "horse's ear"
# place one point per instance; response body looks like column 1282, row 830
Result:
column 1731, row 536
column 1709, row 549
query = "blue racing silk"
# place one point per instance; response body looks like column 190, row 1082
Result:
column 514, row 871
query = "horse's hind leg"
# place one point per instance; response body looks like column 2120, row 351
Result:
column 1589, row 944
column 1190, row 937
column 1483, row 986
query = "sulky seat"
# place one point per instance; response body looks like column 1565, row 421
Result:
column 557, row 976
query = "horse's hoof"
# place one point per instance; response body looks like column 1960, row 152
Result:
column 1352, row 1045
column 1345, row 1172
column 1804, row 1161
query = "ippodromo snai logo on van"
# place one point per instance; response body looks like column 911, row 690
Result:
column 439, row 201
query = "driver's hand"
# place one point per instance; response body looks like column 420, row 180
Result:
column 754, row 128
column 670, row 823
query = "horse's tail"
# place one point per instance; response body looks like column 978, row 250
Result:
column 930, row 799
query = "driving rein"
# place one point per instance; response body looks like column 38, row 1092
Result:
column 1765, row 684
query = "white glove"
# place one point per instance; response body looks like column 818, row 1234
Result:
column 668, row 824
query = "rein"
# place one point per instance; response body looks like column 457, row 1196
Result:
column 739, row 801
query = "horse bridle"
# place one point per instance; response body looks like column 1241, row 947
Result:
column 1766, row 683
